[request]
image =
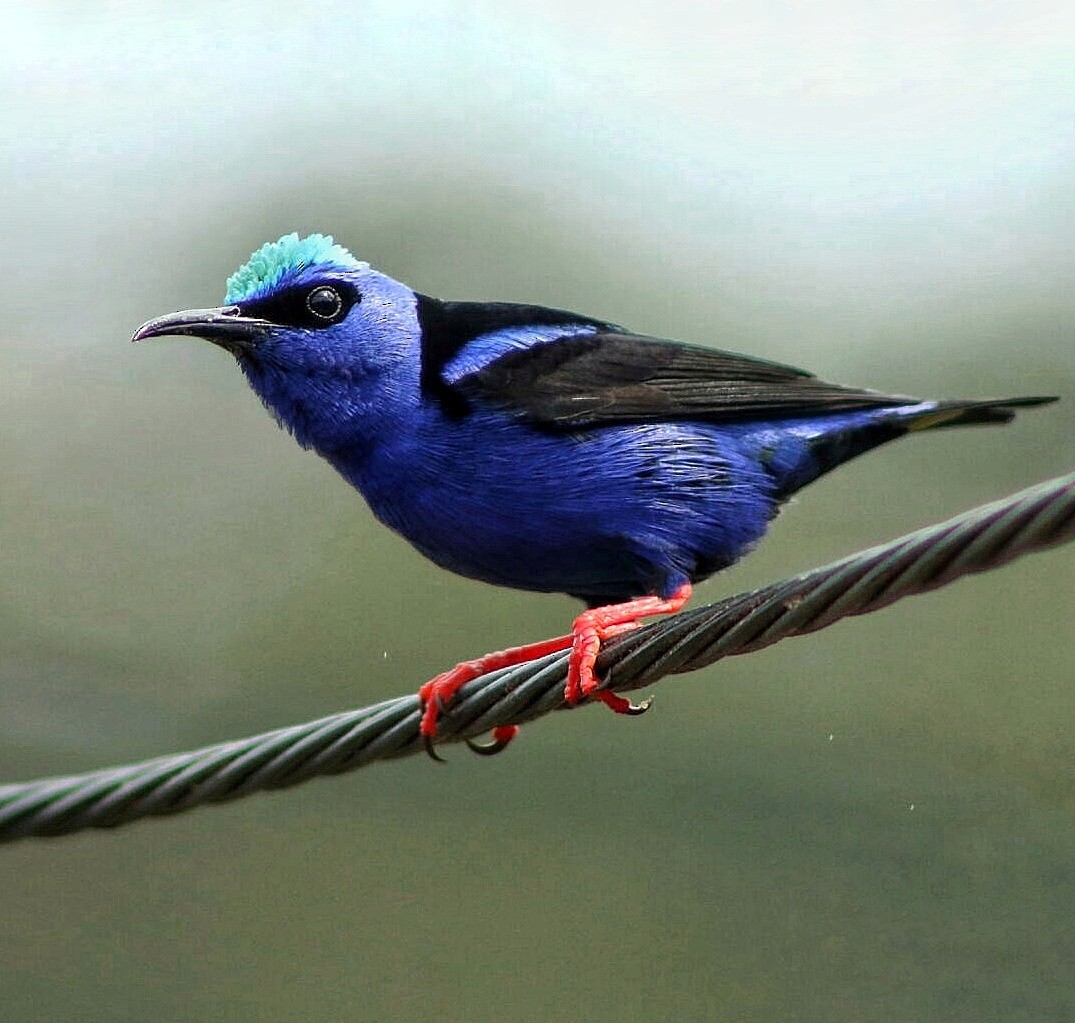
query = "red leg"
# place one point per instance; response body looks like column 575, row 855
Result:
column 440, row 691
column 590, row 630
column 593, row 627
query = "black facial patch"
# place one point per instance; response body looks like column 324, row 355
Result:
column 300, row 306
column 447, row 326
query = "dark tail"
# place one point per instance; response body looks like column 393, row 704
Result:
column 833, row 449
column 973, row 413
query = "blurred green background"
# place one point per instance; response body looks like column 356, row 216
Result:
column 873, row 823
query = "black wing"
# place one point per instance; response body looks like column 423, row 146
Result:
column 610, row 377
column 447, row 327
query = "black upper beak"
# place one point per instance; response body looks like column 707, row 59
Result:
column 224, row 327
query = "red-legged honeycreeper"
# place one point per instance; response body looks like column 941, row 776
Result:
column 540, row 449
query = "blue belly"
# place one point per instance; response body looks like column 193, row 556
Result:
column 606, row 515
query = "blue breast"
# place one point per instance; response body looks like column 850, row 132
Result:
column 605, row 515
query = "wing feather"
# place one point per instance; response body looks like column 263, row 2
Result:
column 611, row 377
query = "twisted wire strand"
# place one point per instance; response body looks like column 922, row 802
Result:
column 984, row 538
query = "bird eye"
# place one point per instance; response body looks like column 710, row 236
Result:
column 324, row 302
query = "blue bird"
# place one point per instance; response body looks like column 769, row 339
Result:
column 540, row 449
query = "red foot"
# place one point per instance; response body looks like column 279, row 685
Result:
column 590, row 630
column 438, row 692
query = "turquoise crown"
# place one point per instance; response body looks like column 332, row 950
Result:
column 264, row 270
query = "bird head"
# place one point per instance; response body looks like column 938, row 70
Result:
column 313, row 329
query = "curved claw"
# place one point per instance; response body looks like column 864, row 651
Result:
column 634, row 709
column 501, row 737
column 486, row 749
column 427, row 741
column 621, row 705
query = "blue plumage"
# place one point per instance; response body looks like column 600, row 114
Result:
column 536, row 448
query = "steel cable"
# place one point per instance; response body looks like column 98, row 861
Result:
column 976, row 541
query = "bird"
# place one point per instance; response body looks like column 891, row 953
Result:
column 540, row 449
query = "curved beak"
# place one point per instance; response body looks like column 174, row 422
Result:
column 225, row 327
